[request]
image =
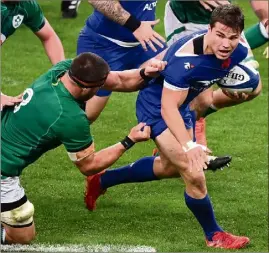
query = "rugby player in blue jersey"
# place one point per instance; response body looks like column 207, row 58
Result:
column 121, row 32
column 167, row 105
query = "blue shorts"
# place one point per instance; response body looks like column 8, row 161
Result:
column 118, row 58
column 151, row 115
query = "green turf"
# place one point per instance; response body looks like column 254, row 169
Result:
column 152, row 214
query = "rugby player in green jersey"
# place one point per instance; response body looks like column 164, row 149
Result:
column 51, row 107
column 29, row 13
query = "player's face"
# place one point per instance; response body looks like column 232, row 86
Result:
column 223, row 40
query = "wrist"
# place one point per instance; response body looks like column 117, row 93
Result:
column 144, row 76
column 132, row 23
column 189, row 145
column 127, row 142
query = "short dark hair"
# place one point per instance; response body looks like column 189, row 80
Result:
column 230, row 15
column 89, row 68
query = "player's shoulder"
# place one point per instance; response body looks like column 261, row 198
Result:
column 29, row 5
column 183, row 47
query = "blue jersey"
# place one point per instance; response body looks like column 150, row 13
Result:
column 192, row 72
column 143, row 10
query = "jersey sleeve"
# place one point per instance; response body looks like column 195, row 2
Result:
column 35, row 19
column 74, row 131
column 178, row 72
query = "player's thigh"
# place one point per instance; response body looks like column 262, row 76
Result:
column 201, row 103
column 172, row 151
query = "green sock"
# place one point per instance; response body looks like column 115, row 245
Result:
column 256, row 36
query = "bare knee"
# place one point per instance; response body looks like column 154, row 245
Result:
column 195, row 182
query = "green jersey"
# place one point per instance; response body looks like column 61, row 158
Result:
column 47, row 117
column 22, row 12
column 190, row 12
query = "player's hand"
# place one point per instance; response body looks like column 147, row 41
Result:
column 139, row 133
column 10, row 101
column 154, row 67
column 197, row 158
column 211, row 5
column 241, row 96
column 147, row 36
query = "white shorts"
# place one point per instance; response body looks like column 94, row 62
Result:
column 174, row 29
column 16, row 210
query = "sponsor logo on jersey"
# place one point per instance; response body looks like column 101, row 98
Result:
column 17, row 20
column 150, row 6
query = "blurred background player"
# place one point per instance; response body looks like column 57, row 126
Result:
column 29, row 13
column 69, row 8
column 185, row 17
column 121, row 32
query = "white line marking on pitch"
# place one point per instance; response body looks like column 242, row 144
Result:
column 75, row 248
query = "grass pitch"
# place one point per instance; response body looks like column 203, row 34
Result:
column 152, row 214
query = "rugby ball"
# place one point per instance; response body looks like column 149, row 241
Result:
column 241, row 79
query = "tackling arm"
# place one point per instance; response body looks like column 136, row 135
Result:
column 132, row 80
column 90, row 162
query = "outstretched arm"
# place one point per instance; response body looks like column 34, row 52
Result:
column 90, row 162
column 133, row 80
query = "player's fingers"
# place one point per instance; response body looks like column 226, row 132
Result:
column 140, row 126
column 244, row 96
column 223, row 2
column 9, row 103
column 213, row 4
column 16, row 100
column 147, row 131
column 20, row 96
column 205, row 5
column 143, row 44
column 157, row 42
column 159, row 37
column 236, row 95
column 155, row 22
column 151, row 45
